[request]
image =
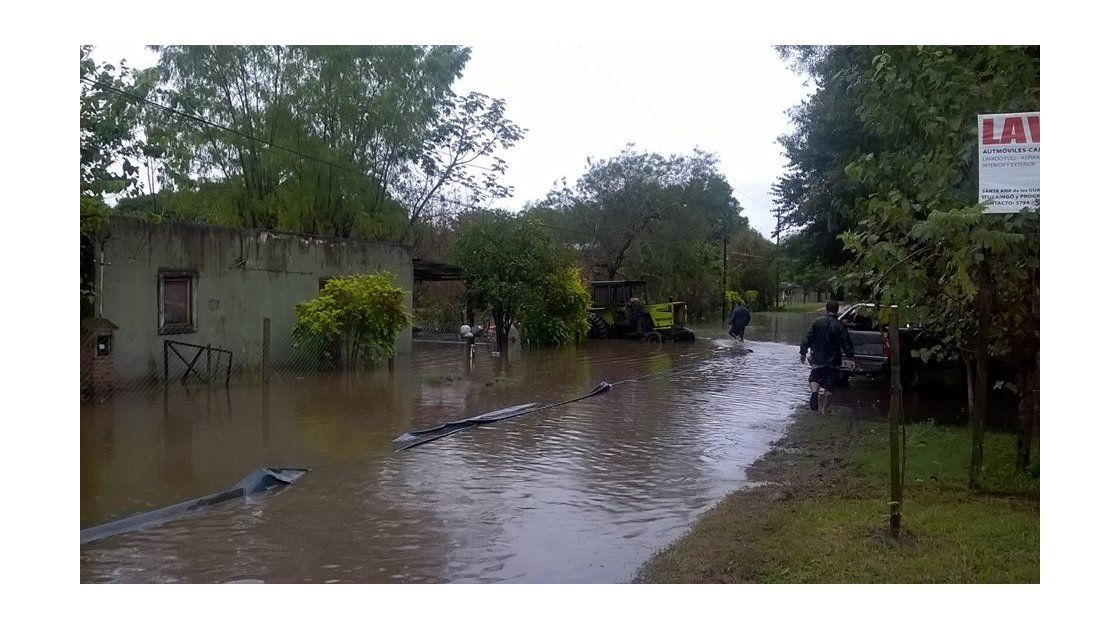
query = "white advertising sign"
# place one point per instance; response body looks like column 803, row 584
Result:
column 1009, row 155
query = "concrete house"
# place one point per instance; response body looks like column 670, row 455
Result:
column 208, row 285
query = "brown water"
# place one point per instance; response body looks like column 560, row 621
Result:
column 584, row 492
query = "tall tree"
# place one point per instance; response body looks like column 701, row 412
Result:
column 814, row 197
column 352, row 117
column 459, row 151
column 644, row 215
column 917, row 235
column 111, row 151
column 111, row 146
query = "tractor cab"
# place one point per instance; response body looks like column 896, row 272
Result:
column 623, row 298
column 621, row 309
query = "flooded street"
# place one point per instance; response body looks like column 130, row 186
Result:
column 584, row 492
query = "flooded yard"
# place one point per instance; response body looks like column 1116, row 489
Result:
column 584, row 492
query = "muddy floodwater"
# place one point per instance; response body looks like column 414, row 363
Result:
column 584, row 492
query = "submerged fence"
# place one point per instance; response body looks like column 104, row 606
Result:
column 114, row 364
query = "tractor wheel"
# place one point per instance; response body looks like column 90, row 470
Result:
column 655, row 337
column 685, row 335
column 598, row 326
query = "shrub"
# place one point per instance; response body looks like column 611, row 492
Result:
column 729, row 299
column 557, row 311
column 357, row 317
column 752, row 300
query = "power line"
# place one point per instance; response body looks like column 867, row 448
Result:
column 203, row 121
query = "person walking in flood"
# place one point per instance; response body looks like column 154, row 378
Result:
column 740, row 318
column 830, row 343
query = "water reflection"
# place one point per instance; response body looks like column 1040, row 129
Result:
column 579, row 493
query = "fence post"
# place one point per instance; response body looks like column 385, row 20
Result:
column 266, row 354
column 165, row 363
column 209, row 366
column 894, row 417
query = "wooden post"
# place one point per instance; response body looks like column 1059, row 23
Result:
column 266, row 353
column 980, row 402
column 265, row 413
column 99, row 281
column 895, row 417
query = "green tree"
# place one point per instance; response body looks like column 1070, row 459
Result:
column 111, row 150
column 355, row 140
column 752, row 266
column 644, row 215
column 510, row 262
column 459, row 153
column 358, row 316
column 917, row 235
column 815, row 198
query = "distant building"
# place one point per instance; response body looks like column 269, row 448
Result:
column 207, row 285
column 796, row 294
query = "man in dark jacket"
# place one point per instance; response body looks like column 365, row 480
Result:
column 740, row 318
column 831, row 343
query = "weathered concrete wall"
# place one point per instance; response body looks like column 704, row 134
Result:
column 243, row 277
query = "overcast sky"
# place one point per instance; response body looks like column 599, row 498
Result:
column 585, row 101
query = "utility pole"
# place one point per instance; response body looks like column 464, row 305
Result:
column 777, row 257
column 723, row 294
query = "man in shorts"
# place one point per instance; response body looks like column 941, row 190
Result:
column 831, row 344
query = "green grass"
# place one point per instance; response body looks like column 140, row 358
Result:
column 836, row 530
column 938, row 457
column 807, row 307
column 947, row 538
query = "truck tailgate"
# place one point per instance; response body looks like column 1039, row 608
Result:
column 868, row 345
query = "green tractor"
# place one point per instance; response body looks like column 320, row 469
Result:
column 620, row 309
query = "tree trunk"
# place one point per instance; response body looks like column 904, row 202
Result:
column 501, row 330
column 1028, row 386
column 980, row 405
column 352, row 354
column 1023, row 437
column 970, row 382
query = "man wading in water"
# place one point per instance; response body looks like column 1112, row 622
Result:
column 740, row 319
column 829, row 339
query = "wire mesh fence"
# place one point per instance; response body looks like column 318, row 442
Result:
column 452, row 332
column 115, row 363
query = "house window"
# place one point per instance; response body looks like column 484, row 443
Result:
column 177, row 312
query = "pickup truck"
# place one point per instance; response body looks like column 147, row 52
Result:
column 872, row 347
